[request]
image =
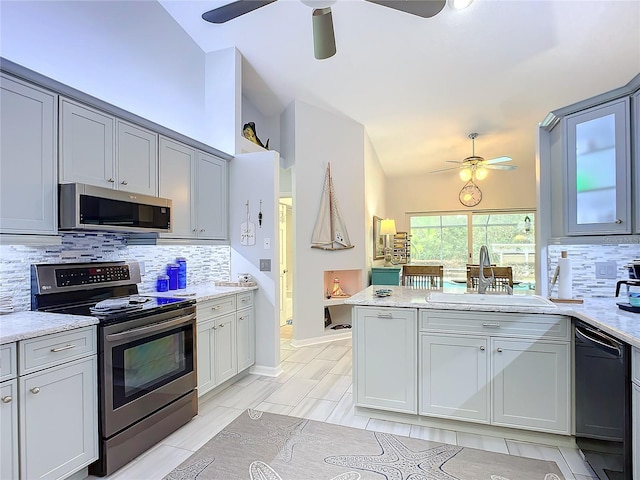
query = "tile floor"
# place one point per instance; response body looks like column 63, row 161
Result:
column 316, row 384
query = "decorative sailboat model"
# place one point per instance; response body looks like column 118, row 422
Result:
column 329, row 232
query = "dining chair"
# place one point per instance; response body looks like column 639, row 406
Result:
column 503, row 277
column 422, row 276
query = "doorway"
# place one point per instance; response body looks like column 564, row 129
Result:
column 286, row 264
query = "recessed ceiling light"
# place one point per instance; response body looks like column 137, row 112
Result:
column 459, row 4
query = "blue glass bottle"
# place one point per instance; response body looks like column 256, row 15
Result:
column 172, row 271
column 182, row 272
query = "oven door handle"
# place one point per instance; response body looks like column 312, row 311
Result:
column 154, row 327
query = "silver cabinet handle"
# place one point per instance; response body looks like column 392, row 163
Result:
column 493, row 325
column 7, row 399
column 124, row 182
column 244, row 300
column 111, row 180
column 35, row 390
column 60, row 349
column 482, row 348
column 619, row 220
column 217, row 307
column 499, row 350
column 385, row 315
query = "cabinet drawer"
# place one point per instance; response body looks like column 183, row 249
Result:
column 8, row 361
column 49, row 350
column 215, row 307
column 495, row 323
column 635, row 365
column 245, row 300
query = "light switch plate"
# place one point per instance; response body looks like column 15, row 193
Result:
column 265, row 264
column 606, row 270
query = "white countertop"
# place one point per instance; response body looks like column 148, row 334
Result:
column 602, row 313
column 28, row 324
column 24, row 325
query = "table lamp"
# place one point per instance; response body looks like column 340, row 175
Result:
column 387, row 228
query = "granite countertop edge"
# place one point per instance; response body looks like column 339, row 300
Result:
column 27, row 324
column 602, row 313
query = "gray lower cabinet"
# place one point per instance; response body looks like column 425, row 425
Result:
column 385, row 360
column 635, row 411
column 226, row 339
column 8, row 412
column 505, row 369
column 49, row 410
column 28, row 158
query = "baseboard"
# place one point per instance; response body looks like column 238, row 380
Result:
column 266, row 371
column 323, row 339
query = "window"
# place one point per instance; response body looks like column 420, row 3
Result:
column 454, row 239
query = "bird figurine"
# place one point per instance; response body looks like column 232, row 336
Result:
column 249, row 132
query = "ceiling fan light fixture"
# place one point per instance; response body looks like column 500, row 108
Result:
column 459, row 4
column 465, row 174
column 481, row 173
column 318, row 3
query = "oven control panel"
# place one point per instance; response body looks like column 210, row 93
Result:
column 91, row 275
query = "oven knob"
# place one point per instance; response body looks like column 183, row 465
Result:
column 35, row 390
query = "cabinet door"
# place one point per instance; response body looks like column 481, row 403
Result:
column 530, row 387
column 385, row 358
column 86, row 145
column 206, row 356
column 137, row 159
column 9, row 430
column 211, row 205
column 635, row 121
column 245, row 326
column 226, row 360
column 28, row 170
column 58, row 420
column 598, row 169
column 177, row 163
column 635, row 429
column 453, row 376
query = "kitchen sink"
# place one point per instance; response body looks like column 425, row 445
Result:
column 490, row 299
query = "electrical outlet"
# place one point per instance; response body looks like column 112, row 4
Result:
column 606, row 270
column 265, row 264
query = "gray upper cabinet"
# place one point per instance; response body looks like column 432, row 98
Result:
column 86, row 145
column 598, row 165
column 212, row 197
column 28, row 170
column 98, row 149
column 635, row 127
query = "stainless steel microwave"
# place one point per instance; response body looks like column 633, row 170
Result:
column 86, row 207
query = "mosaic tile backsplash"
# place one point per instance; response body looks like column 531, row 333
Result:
column 205, row 263
column 583, row 268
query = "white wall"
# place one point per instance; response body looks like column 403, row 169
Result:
column 439, row 192
column 130, row 54
column 322, row 137
column 375, row 192
column 254, row 177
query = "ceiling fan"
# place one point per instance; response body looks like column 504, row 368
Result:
column 475, row 166
column 324, row 42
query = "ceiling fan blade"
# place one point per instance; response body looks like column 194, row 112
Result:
column 454, row 161
column 501, row 167
column 421, row 8
column 445, row 169
column 324, row 40
column 232, row 10
column 498, row 160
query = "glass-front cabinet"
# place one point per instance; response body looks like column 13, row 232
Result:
column 598, row 170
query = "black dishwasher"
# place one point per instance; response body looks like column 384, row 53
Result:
column 603, row 401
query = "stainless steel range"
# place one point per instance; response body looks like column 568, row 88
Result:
column 146, row 353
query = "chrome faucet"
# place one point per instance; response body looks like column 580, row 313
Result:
column 484, row 282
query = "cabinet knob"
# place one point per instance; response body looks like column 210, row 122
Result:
column 499, row 350
column 217, row 307
column 215, row 328
column 241, row 318
column 202, row 230
column 7, row 399
column 194, row 230
column 111, row 180
column 35, row 390
column 482, row 348
column 222, row 325
column 124, row 182
column 619, row 221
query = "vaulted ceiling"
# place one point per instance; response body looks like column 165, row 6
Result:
column 421, row 85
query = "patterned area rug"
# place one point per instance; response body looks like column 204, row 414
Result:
column 266, row 446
